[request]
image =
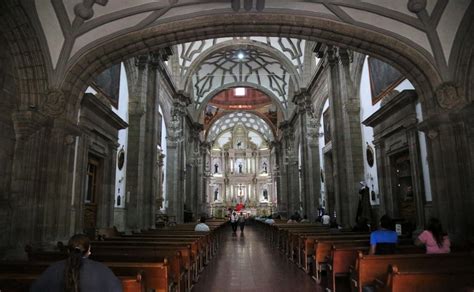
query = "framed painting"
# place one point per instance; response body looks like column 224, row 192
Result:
column 383, row 78
column 107, row 84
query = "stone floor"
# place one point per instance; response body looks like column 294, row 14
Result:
column 245, row 262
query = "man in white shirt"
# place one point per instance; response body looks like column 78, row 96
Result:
column 202, row 226
column 234, row 221
column 326, row 219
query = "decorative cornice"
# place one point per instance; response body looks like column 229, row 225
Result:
column 92, row 103
column 401, row 100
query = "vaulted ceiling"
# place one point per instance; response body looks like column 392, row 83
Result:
column 266, row 63
column 70, row 29
column 249, row 120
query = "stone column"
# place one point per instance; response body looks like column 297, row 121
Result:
column 42, row 176
column 336, row 121
column 194, row 194
column 176, row 165
column 142, row 145
column 280, row 173
column 290, row 179
column 203, row 178
column 309, row 127
column 450, row 142
column 346, row 135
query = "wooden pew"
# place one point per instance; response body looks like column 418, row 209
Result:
column 427, row 279
column 18, row 277
column 169, row 259
column 179, row 257
column 370, row 267
column 201, row 243
column 197, row 250
column 344, row 254
column 322, row 251
column 309, row 242
column 322, row 248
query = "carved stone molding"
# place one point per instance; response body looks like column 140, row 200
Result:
column 331, row 55
column 84, row 10
column 346, row 56
column 248, row 5
column 141, row 61
column 53, row 103
column 448, row 96
column 416, row 6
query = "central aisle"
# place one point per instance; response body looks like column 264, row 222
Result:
column 246, row 263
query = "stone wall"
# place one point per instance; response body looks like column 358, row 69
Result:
column 7, row 133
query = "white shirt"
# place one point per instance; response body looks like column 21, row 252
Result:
column 270, row 221
column 326, row 219
column 202, row 227
column 234, row 218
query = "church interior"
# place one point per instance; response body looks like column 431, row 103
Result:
column 137, row 118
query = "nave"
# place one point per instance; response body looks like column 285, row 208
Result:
column 246, row 262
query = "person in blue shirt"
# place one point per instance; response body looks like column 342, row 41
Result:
column 384, row 240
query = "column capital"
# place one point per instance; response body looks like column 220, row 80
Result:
column 181, row 99
column 141, row 61
column 331, row 56
column 303, row 100
column 345, row 56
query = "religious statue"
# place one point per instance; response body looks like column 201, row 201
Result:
column 265, row 167
column 364, row 209
column 239, row 144
column 240, row 167
column 216, row 194
column 216, row 168
column 265, row 194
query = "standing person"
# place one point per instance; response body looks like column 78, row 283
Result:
column 77, row 273
column 234, row 220
column 384, row 240
column 202, row 226
column 242, row 222
column 434, row 239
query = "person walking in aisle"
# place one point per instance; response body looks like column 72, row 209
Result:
column 234, row 220
column 242, row 222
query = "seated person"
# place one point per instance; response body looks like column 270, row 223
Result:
column 292, row 220
column 305, row 219
column 202, row 226
column 434, row 239
column 270, row 220
column 384, row 240
column 77, row 272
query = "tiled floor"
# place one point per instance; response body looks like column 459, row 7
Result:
column 245, row 262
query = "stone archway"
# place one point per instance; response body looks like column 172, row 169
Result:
column 406, row 59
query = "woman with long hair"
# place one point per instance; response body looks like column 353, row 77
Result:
column 77, row 273
column 434, row 238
